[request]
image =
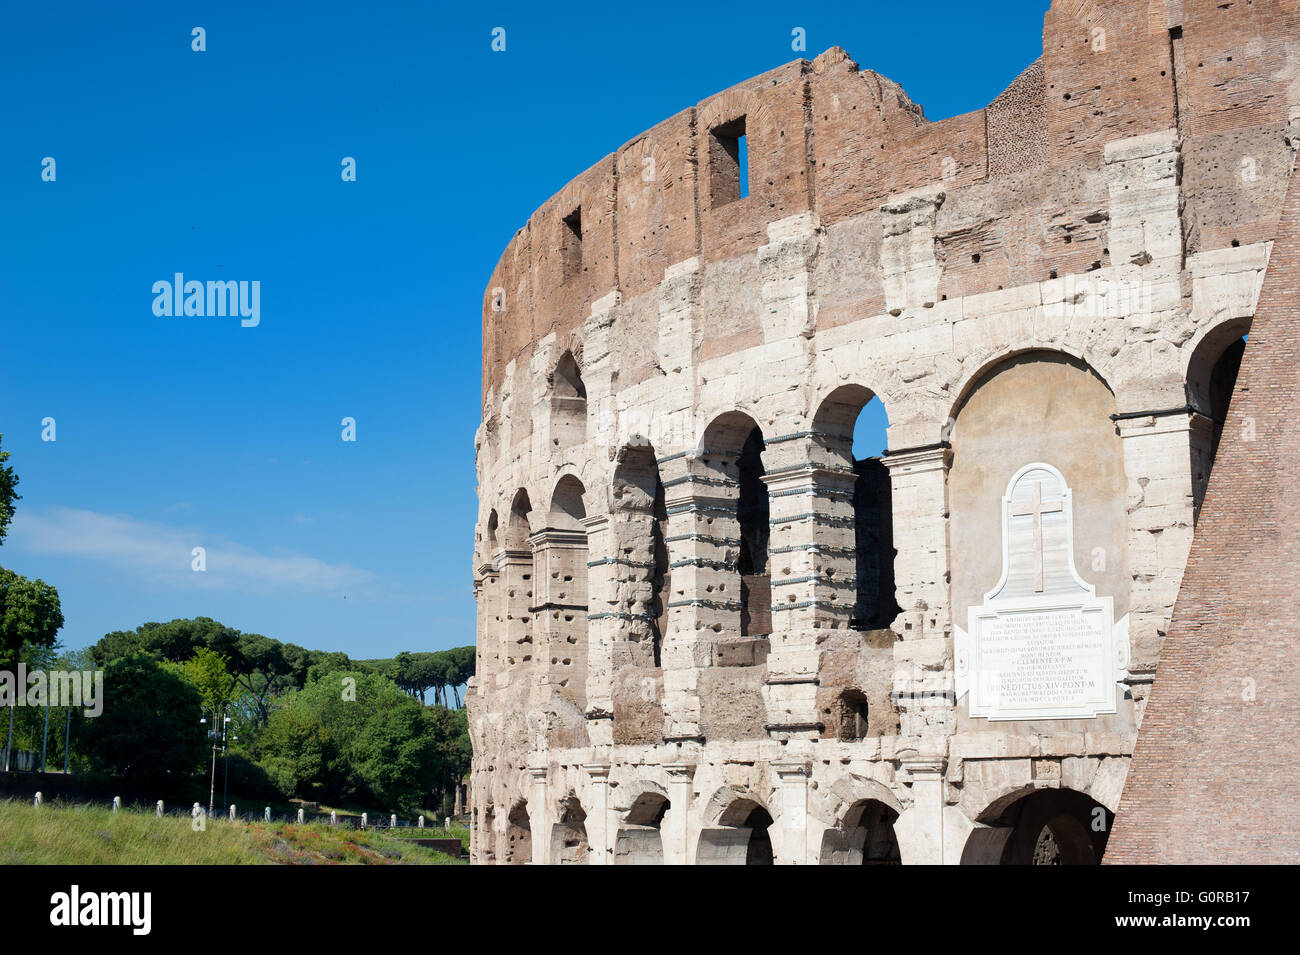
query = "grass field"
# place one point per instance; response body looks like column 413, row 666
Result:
column 62, row 834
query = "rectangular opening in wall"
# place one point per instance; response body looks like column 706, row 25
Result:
column 571, row 243
column 728, row 163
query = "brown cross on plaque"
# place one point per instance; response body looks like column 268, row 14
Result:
column 1036, row 509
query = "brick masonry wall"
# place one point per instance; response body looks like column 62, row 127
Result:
column 1214, row 771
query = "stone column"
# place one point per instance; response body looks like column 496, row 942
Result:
column 700, row 490
column 923, row 689
column 539, row 816
column 793, row 775
column 814, row 574
column 675, row 830
column 601, row 624
column 1157, row 465
column 599, row 835
column 487, row 591
column 516, row 630
column 560, row 608
column 920, row 828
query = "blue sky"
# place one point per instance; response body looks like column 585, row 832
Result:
column 174, row 433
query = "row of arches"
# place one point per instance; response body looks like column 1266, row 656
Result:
column 1025, row 827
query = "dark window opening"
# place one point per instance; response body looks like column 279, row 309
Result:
column 752, row 565
column 728, row 163
column 571, row 243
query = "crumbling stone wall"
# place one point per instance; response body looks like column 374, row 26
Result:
column 1111, row 213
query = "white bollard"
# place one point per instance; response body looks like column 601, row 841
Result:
column 158, row 809
column 117, row 803
column 421, row 822
column 392, row 821
column 37, row 801
column 334, row 818
column 232, row 812
column 267, row 814
column 302, row 817
column 363, row 820
column 446, row 823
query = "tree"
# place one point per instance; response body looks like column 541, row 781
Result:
column 8, row 492
column 150, row 725
column 207, row 672
column 30, row 616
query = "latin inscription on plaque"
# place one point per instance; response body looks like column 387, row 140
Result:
column 1043, row 645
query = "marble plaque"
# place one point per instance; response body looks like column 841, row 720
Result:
column 1043, row 645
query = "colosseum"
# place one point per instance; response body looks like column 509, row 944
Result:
column 707, row 632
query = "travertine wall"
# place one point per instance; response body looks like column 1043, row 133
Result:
column 1111, row 213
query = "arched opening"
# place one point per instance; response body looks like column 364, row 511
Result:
column 741, row 837
column 1044, row 827
column 517, row 571
column 850, row 715
column 752, row 563
column 492, row 524
column 568, row 404
column 569, row 836
column 1043, row 407
column 519, row 835
column 731, row 459
column 639, row 840
column 852, row 427
column 1211, row 380
column 562, row 606
column 864, row 837
column 640, row 520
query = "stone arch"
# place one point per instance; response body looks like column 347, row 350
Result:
column 568, row 403
column 986, row 363
column 639, row 518
column 639, row 840
column 491, row 532
column 731, row 450
column 560, row 611
column 1028, row 826
column 872, row 536
column 864, row 812
column 1037, row 405
column 1210, row 377
column 518, row 835
column 739, row 831
column 569, row 836
column 518, row 583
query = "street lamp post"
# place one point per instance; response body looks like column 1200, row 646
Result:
column 216, row 734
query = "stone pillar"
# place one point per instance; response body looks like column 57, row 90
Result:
column 918, row 480
column 923, row 686
column 601, row 624
column 920, row 828
column 701, row 489
column 560, row 609
column 539, row 817
column 675, row 830
column 516, row 630
column 487, row 593
column 793, row 826
column 814, row 575
column 1157, row 465
column 599, row 835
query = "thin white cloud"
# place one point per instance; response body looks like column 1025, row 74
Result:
column 164, row 554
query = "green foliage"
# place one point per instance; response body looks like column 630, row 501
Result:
column 8, row 492
column 376, row 745
column 150, row 725
column 30, row 616
column 206, row 671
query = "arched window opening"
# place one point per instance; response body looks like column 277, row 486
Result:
column 752, row 564
column 568, row 404
column 1211, row 380
column 639, row 840
column 517, row 574
column 851, row 715
column 562, row 607
column 519, row 836
column 640, row 524
column 569, row 837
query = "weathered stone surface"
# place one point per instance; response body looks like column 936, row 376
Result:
column 683, row 649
